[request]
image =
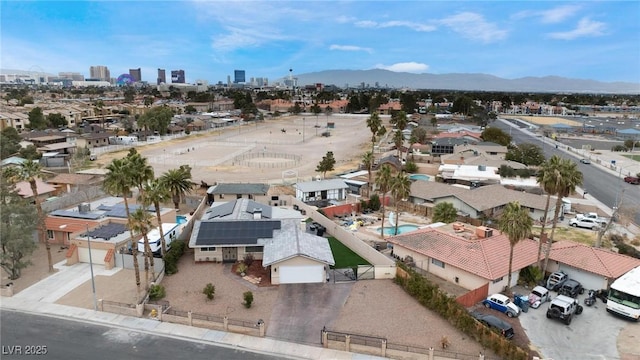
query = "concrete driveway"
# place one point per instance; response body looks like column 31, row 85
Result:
column 591, row 335
column 303, row 309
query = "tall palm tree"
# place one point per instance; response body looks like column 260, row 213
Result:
column 516, row 223
column 367, row 161
column 567, row 177
column 546, row 180
column 156, row 193
column 141, row 171
column 178, row 181
column 383, row 182
column 398, row 140
column 400, row 189
column 118, row 182
column 141, row 224
column 30, row 171
column 374, row 123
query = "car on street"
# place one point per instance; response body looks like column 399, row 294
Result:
column 585, row 161
column 538, row 296
column 494, row 323
column 503, row 304
column 634, row 180
column 585, row 223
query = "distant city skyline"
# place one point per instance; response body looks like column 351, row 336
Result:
column 209, row 40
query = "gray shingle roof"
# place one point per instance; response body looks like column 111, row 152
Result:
column 254, row 189
column 238, row 209
column 293, row 241
column 321, row 185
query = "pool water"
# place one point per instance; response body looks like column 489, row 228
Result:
column 391, row 230
column 420, row 177
column 181, row 219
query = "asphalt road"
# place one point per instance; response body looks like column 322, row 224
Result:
column 602, row 185
column 34, row 336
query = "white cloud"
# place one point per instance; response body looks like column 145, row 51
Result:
column 389, row 24
column 238, row 38
column 410, row 67
column 475, row 27
column 350, row 48
column 585, row 28
column 550, row 16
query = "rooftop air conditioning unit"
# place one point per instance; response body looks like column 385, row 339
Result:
column 84, row 207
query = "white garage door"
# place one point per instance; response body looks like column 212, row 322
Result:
column 587, row 279
column 97, row 255
column 301, row 274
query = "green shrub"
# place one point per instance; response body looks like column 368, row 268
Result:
column 156, row 292
column 530, row 275
column 242, row 268
column 248, row 299
column 209, row 290
column 410, row 167
column 172, row 256
column 374, row 202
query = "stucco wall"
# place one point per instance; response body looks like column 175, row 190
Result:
column 296, row 261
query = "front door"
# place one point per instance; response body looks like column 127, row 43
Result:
column 229, row 254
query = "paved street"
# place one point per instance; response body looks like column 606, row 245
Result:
column 56, row 338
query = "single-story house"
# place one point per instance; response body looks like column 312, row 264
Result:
column 106, row 240
column 23, row 188
column 229, row 192
column 468, row 258
column 74, row 182
column 594, row 268
column 469, row 173
column 332, row 189
column 484, row 202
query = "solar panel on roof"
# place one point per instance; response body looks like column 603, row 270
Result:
column 76, row 214
column 107, row 231
column 222, row 210
column 235, row 232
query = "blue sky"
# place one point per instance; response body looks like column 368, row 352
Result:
column 597, row 40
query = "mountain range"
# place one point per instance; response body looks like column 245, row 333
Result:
column 469, row 82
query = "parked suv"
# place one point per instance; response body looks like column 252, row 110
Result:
column 494, row 323
column 563, row 308
column 571, row 288
column 556, row 280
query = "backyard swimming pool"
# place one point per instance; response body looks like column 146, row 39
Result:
column 181, row 219
column 421, row 177
column 391, row 230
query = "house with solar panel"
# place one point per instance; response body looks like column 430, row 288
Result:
column 278, row 237
column 104, row 223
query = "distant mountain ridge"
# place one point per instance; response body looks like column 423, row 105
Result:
column 469, row 82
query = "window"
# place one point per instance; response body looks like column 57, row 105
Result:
column 274, row 198
column 211, row 248
column 437, row 263
column 253, row 249
column 221, row 196
column 312, row 194
column 239, row 196
column 498, row 280
column 49, row 234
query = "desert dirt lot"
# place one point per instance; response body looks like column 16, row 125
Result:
column 39, row 268
column 548, row 120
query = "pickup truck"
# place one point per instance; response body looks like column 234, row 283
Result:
column 632, row 180
column 593, row 216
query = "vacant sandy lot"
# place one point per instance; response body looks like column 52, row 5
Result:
column 548, row 120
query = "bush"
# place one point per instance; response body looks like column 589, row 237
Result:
column 172, row 256
column 156, row 292
column 248, row 259
column 530, row 275
column 209, row 290
column 242, row 268
column 374, row 202
column 248, row 299
column 411, row 167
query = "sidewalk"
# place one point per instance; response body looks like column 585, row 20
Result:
column 40, row 299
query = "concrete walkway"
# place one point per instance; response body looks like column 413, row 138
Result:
column 40, row 299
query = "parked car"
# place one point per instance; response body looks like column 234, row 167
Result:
column 585, row 161
column 585, row 223
column 494, row 323
column 503, row 304
column 539, row 295
column 593, row 216
column 563, row 308
column 556, row 280
column 632, row 180
column 571, row 288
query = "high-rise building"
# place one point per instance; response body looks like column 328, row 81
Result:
column 75, row 76
column 136, row 74
column 162, row 77
column 238, row 76
column 100, row 72
column 177, row 77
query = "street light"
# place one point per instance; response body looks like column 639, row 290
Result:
column 93, row 283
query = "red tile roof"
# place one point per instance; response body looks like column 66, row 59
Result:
column 596, row 260
column 53, row 223
column 487, row 258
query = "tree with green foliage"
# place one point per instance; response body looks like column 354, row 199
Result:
column 327, row 163
column 156, row 119
column 295, row 109
column 400, row 190
column 56, row 120
column 248, row 299
column 18, row 220
column 516, row 223
column 383, row 182
column 444, row 212
column 527, row 154
column 178, row 181
column 367, row 163
column 399, row 120
column 496, row 135
column 374, row 123
column 30, row 152
column 156, row 193
column 141, row 224
column 398, row 141
column 209, row 291
column 462, row 105
column 37, row 120
column 9, row 142
column 190, row 109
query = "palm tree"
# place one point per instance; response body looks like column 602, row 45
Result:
column 118, row 182
column 398, row 140
column 141, row 171
column 400, row 189
column 566, row 178
column 547, row 182
column 383, row 182
column 516, row 223
column 30, row 171
column 155, row 193
column 367, row 162
column 374, row 123
column 178, row 181
column 141, row 224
